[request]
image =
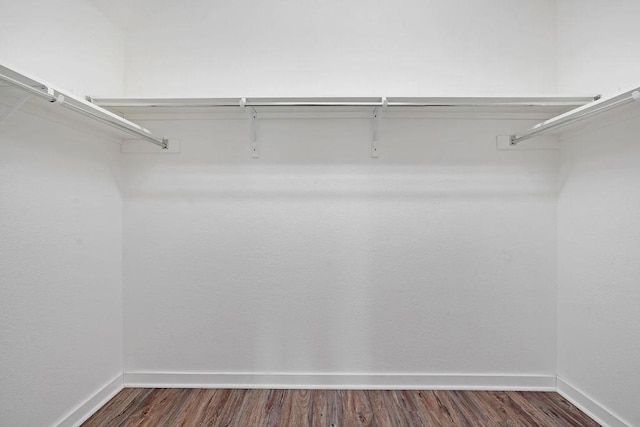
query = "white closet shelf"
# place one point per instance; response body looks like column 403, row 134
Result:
column 57, row 97
column 556, row 111
column 584, row 112
column 563, row 110
column 550, row 105
column 567, row 110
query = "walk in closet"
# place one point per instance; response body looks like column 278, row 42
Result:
column 319, row 213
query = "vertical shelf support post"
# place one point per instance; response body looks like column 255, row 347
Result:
column 253, row 128
column 375, row 127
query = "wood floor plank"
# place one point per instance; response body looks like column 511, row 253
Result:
column 526, row 404
column 275, row 402
column 194, row 406
column 213, row 407
column 395, row 411
column 432, row 413
column 379, row 410
column 409, row 405
column 230, row 413
column 359, row 405
column 336, row 408
column 301, row 407
column 253, row 409
column 286, row 408
column 320, row 408
column 473, row 408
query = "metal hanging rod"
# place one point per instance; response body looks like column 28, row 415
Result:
column 345, row 102
column 581, row 113
column 55, row 96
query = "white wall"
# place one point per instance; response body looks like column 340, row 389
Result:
column 597, row 45
column 61, row 211
column 66, row 42
column 60, row 275
column 598, row 211
column 438, row 257
column 599, row 248
column 335, row 48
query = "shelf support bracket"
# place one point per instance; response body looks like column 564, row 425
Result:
column 375, row 127
column 253, row 128
column 15, row 107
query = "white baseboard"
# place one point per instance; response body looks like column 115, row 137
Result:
column 588, row 405
column 340, row 381
column 91, row 405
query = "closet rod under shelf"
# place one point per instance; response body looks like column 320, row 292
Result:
column 581, row 113
column 55, row 96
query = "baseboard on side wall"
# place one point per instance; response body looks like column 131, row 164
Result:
column 92, row 404
column 589, row 406
column 340, row 381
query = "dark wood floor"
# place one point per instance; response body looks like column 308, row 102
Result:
column 224, row 407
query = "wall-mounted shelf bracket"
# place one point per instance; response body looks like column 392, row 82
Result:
column 56, row 97
column 253, row 128
column 15, row 107
column 375, row 127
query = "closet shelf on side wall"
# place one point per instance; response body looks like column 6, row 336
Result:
column 587, row 111
column 33, row 87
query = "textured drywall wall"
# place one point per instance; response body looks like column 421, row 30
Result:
column 599, row 210
column 68, row 43
column 598, row 270
column 337, row 48
column 61, row 217
column 597, row 41
column 438, row 257
column 60, row 274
